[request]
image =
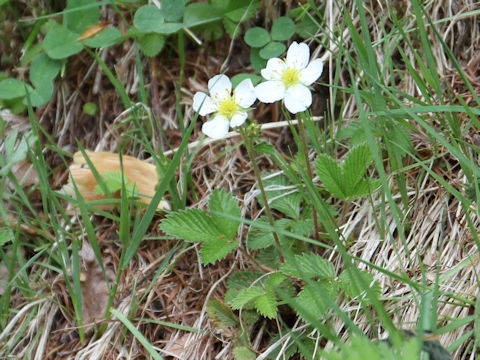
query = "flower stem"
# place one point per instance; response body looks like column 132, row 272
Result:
column 309, row 171
column 268, row 211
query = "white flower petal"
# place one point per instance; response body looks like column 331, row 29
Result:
column 216, row 128
column 244, row 93
column 220, row 87
column 312, row 72
column 298, row 98
column 238, row 119
column 270, row 91
column 203, row 104
column 274, row 70
column 298, row 55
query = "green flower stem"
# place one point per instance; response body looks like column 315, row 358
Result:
column 309, row 169
column 248, row 144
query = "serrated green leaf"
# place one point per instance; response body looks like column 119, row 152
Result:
column 266, row 304
column 257, row 37
column 13, row 88
column 272, row 50
column 152, row 44
column 238, row 282
column 310, row 302
column 147, row 18
column 79, row 20
column 353, row 286
column 308, row 266
column 274, row 280
column 282, row 196
column 43, row 70
column 221, row 314
column 355, row 165
column 283, row 29
column 222, row 202
column 243, row 353
column 213, row 250
column 331, row 175
column 201, row 13
column 60, row 43
column 107, row 37
column 246, row 296
column 259, row 238
column 191, row 225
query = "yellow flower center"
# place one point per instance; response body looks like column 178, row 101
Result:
column 228, row 107
column 291, row 77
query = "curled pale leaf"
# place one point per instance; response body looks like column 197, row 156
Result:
column 139, row 173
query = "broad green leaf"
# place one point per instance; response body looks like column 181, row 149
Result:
column 107, row 37
column 237, row 79
column 5, row 236
column 221, row 314
column 148, row 18
column 222, row 202
column 257, row 37
column 238, row 10
column 168, row 28
column 172, row 10
column 331, row 175
column 216, row 249
column 43, row 70
column 191, row 225
column 266, row 304
column 41, row 95
column 60, row 43
column 246, row 296
column 79, row 20
column 309, row 265
column 200, row 14
column 238, row 282
column 273, row 49
column 152, row 44
column 355, row 165
column 13, row 88
column 283, row 29
column 257, row 62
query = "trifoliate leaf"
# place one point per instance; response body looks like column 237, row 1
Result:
column 260, row 238
column 246, row 296
column 13, row 88
column 216, row 249
column 222, row 202
column 147, row 18
column 191, row 225
column 257, row 37
column 152, row 44
column 221, row 314
column 271, row 50
column 86, row 12
column 43, row 70
column 266, row 304
column 308, row 266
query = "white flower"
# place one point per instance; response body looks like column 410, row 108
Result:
column 289, row 79
column 230, row 109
